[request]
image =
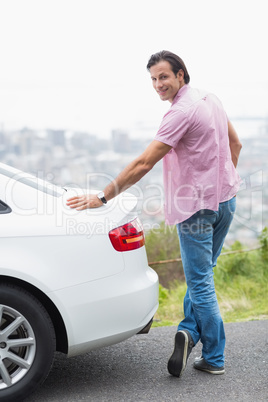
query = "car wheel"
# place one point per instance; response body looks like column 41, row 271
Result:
column 27, row 343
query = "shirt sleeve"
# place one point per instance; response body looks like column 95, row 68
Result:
column 172, row 128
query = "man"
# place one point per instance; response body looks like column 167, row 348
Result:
column 200, row 150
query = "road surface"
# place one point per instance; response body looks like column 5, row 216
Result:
column 135, row 371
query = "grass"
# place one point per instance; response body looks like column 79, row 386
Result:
column 241, row 287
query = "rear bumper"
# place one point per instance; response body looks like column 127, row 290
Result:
column 108, row 311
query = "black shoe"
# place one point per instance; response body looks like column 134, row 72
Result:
column 201, row 364
column 183, row 347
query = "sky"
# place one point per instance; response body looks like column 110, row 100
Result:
column 81, row 64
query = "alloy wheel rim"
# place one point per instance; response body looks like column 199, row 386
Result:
column 17, row 346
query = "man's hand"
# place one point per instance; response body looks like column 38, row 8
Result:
column 84, row 201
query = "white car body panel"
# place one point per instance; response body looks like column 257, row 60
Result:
column 102, row 295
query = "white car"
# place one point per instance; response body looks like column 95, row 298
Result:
column 69, row 281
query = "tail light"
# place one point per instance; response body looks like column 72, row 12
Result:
column 128, row 237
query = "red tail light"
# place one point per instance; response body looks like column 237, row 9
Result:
column 127, row 237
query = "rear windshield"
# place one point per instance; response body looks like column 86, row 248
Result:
column 31, row 181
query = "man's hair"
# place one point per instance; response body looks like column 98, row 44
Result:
column 175, row 61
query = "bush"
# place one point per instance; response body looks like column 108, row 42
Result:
column 163, row 244
column 264, row 244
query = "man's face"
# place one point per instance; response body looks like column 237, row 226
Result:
column 165, row 82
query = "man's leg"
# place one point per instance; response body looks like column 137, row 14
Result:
column 221, row 228
column 201, row 238
column 202, row 311
column 200, row 303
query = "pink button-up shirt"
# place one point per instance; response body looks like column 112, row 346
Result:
column 198, row 170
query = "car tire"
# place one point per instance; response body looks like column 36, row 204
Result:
column 27, row 343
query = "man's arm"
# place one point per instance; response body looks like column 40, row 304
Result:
column 235, row 144
column 129, row 176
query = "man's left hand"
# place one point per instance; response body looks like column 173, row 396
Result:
column 84, row 202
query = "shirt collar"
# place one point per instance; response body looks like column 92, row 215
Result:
column 181, row 92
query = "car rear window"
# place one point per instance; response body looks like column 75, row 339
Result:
column 4, row 208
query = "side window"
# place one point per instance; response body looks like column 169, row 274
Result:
column 4, row 208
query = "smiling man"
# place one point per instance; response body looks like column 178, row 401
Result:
column 200, row 151
column 165, row 81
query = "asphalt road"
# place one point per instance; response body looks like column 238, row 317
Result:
column 135, row 370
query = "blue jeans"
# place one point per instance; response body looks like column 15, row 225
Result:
column 201, row 240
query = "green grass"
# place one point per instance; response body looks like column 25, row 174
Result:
column 241, row 286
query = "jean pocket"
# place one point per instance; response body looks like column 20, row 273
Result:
column 232, row 205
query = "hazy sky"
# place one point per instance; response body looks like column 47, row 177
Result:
column 81, row 64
